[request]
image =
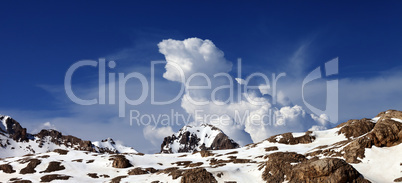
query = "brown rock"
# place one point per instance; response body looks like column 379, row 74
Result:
column 355, row 128
column 175, row 172
column 273, row 148
column 19, row 180
column 325, row 170
column 120, row 161
column 69, row 141
column 197, row 175
column 54, row 166
column 386, row 133
column 7, row 168
column 51, row 177
column 30, row 168
column 206, row 153
column 61, row 151
column 190, row 142
column 140, row 171
column 93, row 175
column 398, row 179
column 117, row 179
column 293, row 167
column 279, row 165
column 15, row 130
column 222, row 141
column 287, row 138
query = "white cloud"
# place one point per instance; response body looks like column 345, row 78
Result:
column 249, row 120
column 264, row 89
column 156, row 135
column 192, row 55
column 240, row 81
column 46, row 125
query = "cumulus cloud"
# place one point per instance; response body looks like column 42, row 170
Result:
column 156, row 135
column 192, row 55
column 252, row 118
column 46, row 125
column 240, row 81
column 264, row 89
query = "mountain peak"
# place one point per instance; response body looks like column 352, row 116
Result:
column 197, row 138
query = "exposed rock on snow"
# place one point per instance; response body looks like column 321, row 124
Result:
column 356, row 151
column 288, row 138
column 355, row 128
column 197, row 138
column 15, row 141
column 120, row 161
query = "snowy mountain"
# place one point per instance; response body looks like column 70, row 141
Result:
column 197, row 138
column 108, row 145
column 15, row 141
column 359, row 150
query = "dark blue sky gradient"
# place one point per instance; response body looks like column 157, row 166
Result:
column 40, row 40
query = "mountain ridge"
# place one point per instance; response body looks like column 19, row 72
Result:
column 358, row 150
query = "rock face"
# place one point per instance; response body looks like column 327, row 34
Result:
column 69, row 141
column 13, row 138
column 30, row 168
column 54, row 166
column 325, row 170
column 293, row 167
column 121, row 161
column 197, row 175
column 386, row 132
column 11, row 127
column 342, row 154
column 6, row 168
column 197, row 138
column 355, row 128
column 287, row 138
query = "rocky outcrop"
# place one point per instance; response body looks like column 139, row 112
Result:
column 197, row 175
column 222, row 141
column 385, row 133
column 30, row 168
column 14, row 129
column 6, row 168
column 197, row 138
column 51, row 177
column 355, row 128
column 287, row 138
column 141, row 171
column 293, row 167
column 279, row 165
column 53, row 166
column 325, row 170
column 58, row 138
column 120, row 161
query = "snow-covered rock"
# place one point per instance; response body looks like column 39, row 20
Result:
column 15, row 141
column 108, row 145
column 355, row 151
column 197, row 138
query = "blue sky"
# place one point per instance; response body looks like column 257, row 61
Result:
column 41, row 40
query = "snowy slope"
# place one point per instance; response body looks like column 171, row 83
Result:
column 109, row 145
column 48, row 140
column 197, row 138
column 244, row 164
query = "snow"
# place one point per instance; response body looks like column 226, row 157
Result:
column 396, row 119
column 374, row 120
column 3, row 121
column 381, row 164
column 113, row 146
column 295, row 135
column 205, row 132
